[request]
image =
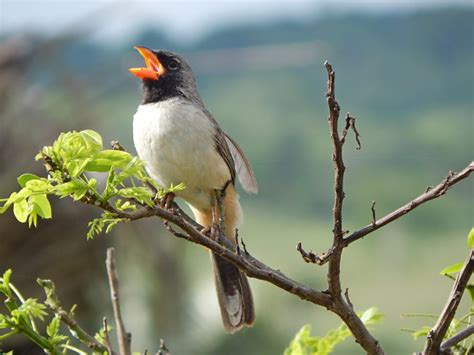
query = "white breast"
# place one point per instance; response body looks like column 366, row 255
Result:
column 175, row 139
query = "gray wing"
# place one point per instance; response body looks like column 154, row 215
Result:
column 235, row 159
column 242, row 166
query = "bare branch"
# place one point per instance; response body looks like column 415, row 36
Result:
column 437, row 333
column 106, row 336
column 123, row 337
column 341, row 307
column 435, row 192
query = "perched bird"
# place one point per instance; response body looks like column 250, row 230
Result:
column 180, row 141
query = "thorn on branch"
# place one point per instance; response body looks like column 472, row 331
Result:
column 445, row 183
column 244, row 246
column 374, row 218
column 348, row 300
column 428, row 188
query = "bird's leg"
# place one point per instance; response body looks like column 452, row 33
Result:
column 216, row 215
column 167, row 200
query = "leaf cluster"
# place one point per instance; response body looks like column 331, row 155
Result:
column 305, row 344
column 80, row 168
column 36, row 320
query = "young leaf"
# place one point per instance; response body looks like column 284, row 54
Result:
column 53, row 327
column 92, row 138
column 470, row 239
column 24, row 178
column 452, row 269
column 31, row 308
column 20, row 210
column 41, row 206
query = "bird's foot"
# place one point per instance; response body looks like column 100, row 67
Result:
column 167, row 200
column 212, row 231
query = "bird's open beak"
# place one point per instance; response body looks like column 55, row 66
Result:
column 154, row 69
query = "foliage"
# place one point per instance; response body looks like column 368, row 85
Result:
column 305, row 344
column 70, row 161
column 40, row 322
column 456, row 324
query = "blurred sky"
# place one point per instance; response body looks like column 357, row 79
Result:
column 181, row 20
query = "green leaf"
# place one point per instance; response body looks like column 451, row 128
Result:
column 470, row 239
column 92, row 139
column 76, row 188
column 140, row 193
column 41, row 206
column 452, row 269
column 303, row 343
column 37, row 185
column 423, row 332
column 53, row 327
column 106, row 159
column 30, row 308
column 20, row 210
column 76, row 167
column 371, row 316
column 24, row 178
column 6, row 277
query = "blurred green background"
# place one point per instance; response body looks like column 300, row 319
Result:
column 405, row 72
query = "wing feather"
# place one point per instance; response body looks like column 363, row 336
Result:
column 242, row 166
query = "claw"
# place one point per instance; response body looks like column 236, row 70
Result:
column 167, row 200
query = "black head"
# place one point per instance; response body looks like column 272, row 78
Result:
column 165, row 76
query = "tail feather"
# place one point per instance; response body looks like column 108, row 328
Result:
column 233, row 289
column 234, row 295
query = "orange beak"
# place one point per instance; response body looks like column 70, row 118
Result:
column 154, row 69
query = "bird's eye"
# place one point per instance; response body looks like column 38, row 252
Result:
column 173, row 65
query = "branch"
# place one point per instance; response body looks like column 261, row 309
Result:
column 463, row 334
column 53, row 303
column 123, row 337
column 431, row 194
column 437, row 333
column 343, row 308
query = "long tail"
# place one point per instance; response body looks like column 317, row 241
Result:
column 233, row 289
column 233, row 294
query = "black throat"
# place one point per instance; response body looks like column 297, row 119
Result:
column 159, row 90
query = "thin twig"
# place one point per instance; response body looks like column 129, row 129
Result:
column 437, row 333
column 429, row 195
column 342, row 307
column 309, row 257
column 350, row 124
column 122, row 336
column 106, row 336
column 463, row 334
column 374, row 218
column 67, row 318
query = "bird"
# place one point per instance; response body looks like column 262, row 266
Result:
column 180, row 142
